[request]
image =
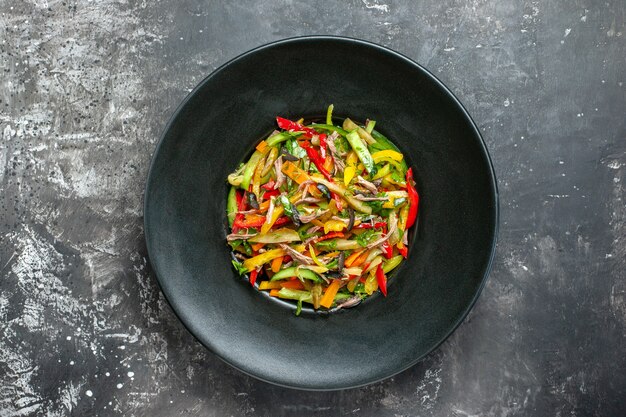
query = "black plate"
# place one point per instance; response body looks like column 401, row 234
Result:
column 218, row 125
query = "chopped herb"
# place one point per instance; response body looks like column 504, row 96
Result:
column 241, row 270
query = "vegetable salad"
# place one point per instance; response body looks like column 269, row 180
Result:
column 320, row 213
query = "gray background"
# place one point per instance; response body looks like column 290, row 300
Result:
column 85, row 90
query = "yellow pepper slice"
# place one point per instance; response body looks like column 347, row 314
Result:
column 265, row 257
column 350, row 169
column 278, row 211
column 270, row 285
column 387, row 153
column 393, row 195
column 371, row 284
column 402, row 216
column 334, row 226
column 256, row 178
column 314, row 256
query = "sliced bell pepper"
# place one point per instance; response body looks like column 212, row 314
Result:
column 388, row 153
column 382, row 280
column 292, row 285
column 329, row 236
column 272, row 193
column 241, row 206
column 286, row 124
column 371, row 283
column 256, row 177
column 253, row 276
column 295, row 173
column 270, row 222
column 331, row 292
column 252, row 263
column 334, row 226
column 314, row 256
column 318, row 161
column 350, row 170
column 413, row 198
column 269, row 185
column 276, row 264
column 389, row 265
column 256, row 221
column 404, row 251
column 268, row 285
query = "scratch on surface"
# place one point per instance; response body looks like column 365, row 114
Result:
column 375, row 5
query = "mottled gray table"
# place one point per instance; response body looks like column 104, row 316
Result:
column 85, row 90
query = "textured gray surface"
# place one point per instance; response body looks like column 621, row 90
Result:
column 85, row 91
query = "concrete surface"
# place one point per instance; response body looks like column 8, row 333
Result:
column 86, row 88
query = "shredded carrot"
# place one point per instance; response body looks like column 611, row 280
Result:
column 264, row 206
column 262, row 146
column 360, row 259
column 352, row 258
column 256, row 246
column 276, row 264
column 294, row 285
column 274, row 292
column 295, row 173
column 329, row 295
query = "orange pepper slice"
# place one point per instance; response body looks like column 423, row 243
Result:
column 331, row 292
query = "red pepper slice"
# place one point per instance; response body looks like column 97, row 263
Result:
column 253, row 276
column 318, row 161
column 388, row 250
column 268, row 194
column 287, row 124
column 404, row 251
column 330, row 235
column 382, row 280
column 269, row 185
column 256, row 223
column 241, row 206
column 414, row 199
column 377, row 225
